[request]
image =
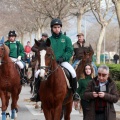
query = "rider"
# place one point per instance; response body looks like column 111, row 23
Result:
column 78, row 49
column 63, row 52
column 16, row 52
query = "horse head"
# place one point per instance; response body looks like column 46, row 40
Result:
column 4, row 50
column 45, row 57
column 87, row 59
column 88, row 53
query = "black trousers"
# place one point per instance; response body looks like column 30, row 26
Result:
column 100, row 116
column 84, row 105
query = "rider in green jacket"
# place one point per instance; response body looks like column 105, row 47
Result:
column 63, row 50
column 16, row 52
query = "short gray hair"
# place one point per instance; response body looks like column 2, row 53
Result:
column 104, row 67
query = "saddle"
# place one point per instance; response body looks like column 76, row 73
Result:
column 68, row 76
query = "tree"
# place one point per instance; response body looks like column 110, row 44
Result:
column 78, row 9
column 101, row 14
column 117, row 7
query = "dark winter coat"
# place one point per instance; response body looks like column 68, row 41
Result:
column 110, row 97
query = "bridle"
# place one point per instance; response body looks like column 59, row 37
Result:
column 49, row 68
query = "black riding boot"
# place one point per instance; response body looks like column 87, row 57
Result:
column 36, row 96
column 22, row 81
column 76, row 96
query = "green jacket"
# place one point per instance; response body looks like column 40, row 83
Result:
column 20, row 49
column 82, row 86
column 62, row 47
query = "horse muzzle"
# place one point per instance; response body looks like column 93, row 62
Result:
column 42, row 73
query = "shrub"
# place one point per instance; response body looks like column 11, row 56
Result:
column 118, row 86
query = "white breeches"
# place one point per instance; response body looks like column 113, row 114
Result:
column 64, row 64
column 19, row 63
column 69, row 68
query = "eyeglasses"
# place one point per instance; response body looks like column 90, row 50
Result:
column 101, row 74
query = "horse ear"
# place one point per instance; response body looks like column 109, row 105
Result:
column 37, row 43
column 2, row 41
column 48, row 43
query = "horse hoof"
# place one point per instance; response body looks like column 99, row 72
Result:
column 7, row 116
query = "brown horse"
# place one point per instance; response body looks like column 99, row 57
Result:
column 9, row 82
column 53, row 88
column 87, row 58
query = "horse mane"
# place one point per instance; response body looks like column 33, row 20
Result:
column 7, row 49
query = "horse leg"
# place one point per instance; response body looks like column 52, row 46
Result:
column 7, row 103
column 31, row 86
column 57, row 112
column 7, row 98
column 47, row 113
column 62, row 113
column 4, row 107
column 15, row 96
column 67, row 111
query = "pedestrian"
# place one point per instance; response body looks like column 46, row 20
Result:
column 27, row 50
column 116, row 58
column 88, row 74
column 101, row 93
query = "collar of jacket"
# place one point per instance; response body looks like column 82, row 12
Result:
column 80, row 44
column 56, row 35
column 13, row 42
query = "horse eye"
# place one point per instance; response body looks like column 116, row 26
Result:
column 48, row 55
column 2, row 48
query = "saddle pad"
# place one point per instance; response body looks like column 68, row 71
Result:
column 67, row 81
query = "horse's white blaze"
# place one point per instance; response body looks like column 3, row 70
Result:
column 42, row 54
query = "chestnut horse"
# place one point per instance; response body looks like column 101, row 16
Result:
column 9, row 82
column 53, row 88
column 87, row 58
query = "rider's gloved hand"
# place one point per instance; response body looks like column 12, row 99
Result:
column 60, row 60
column 19, row 58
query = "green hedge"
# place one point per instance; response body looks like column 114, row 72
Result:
column 114, row 71
column 118, row 86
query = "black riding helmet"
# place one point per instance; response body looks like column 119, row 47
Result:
column 55, row 21
column 12, row 33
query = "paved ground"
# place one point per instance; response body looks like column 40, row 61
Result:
column 27, row 109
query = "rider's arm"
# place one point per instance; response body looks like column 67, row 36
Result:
column 68, row 50
column 21, row 52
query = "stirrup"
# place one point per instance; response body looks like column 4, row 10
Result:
column 76, row 97
column 22, row 81
column 34, row 98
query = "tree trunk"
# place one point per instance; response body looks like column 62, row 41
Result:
column 42, row 30
column 22, row 35
column 30, row 35
column 102, row 33
column 79, row 22
column 117, row 7
column 39, row 33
